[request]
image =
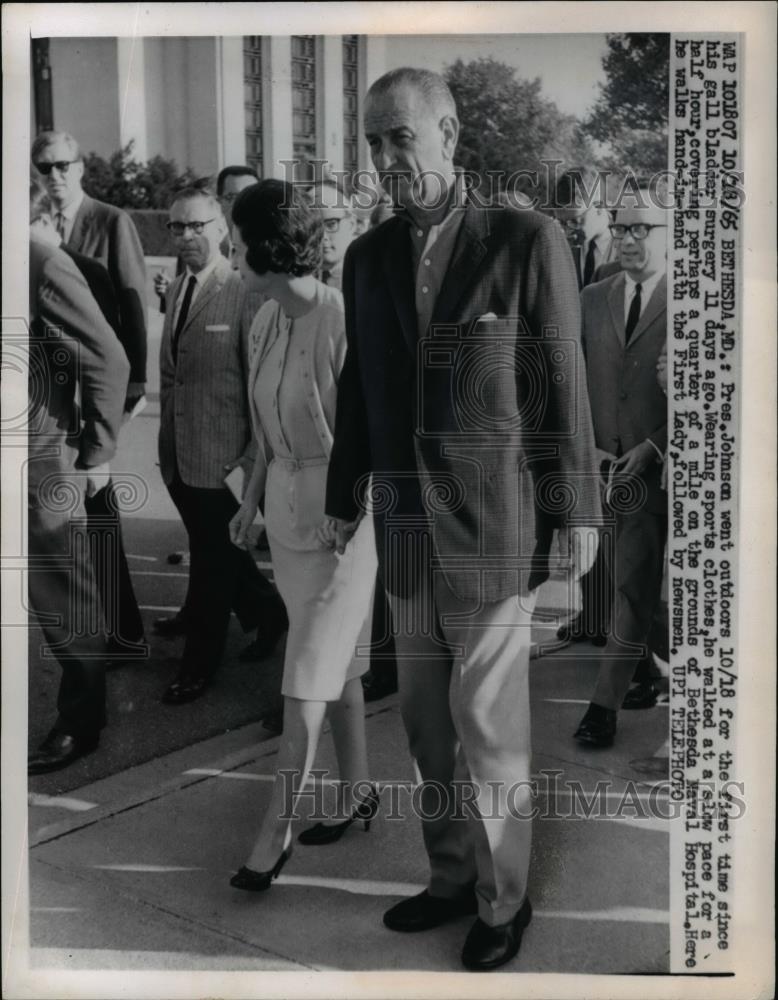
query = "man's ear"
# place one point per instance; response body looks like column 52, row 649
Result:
column 449, row 126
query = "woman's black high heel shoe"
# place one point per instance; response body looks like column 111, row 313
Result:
column 253, row 881
column 323, row 833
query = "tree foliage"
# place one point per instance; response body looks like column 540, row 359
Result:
column 506, row 125
column 123, row 181
column 631, row 113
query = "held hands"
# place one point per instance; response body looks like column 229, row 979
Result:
column 240, row 524
column 578, row 548
column 339, row 530
column 636, row 460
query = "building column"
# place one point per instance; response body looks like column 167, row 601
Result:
column 329, row 103
column 372, row 64
column 131, row 73
column 229, row 101
column 277, row 105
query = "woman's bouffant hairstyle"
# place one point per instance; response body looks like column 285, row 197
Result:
column 280, row 228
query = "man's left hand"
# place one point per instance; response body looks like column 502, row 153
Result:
column 636, row 460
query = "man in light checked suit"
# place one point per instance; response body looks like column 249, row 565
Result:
column 205, row 432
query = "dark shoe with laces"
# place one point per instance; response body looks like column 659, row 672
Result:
column 574, row 631
column 488, row 947
column 643, row 695
column 185, row 688
column 598, row 726
column 60, row 749
column 423, row 912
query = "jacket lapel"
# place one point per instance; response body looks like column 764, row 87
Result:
column 80, row 222
column 469, row 250
column 616, row 306
column 654, row 307
column 399, row 274
column 212, row 287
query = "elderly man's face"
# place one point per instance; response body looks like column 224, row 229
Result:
column 412, row 146
column 63, row 181
column 643, row 246
column 583, row 224
column 198, row 227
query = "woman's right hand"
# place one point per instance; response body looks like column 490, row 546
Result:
column 240, row 524
column 161, row 284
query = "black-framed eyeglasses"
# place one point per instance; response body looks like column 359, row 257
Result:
column 62, row 167
column 576, row 223
column 179, row 228
column 638, row 230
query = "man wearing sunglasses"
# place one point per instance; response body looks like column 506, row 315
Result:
column 585, row 220
column 205, row 433
column 95, row 229
column 623, row 335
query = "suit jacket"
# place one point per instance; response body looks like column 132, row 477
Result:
column 107, row 233
column 482, row 430
column 204, row 414
column 72, row 346
column 101, row 287
column 609, row 257
column 628, row 406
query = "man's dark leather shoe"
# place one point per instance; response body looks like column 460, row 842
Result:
column 185, row 688
column 573, row 631
column 598, row 726
column 643, row 695
column 60, row 749
column 170, row 627
column 490, row 947
column 423, row 912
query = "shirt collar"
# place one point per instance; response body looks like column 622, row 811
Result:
column 69, row 212
column 456, row 202
column 202, row 276
column 647, row 286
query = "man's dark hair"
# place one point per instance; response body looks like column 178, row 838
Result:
column 578, row 185
column 196, row 191
column 235, row 171
column 280, row 228
column 430, row 85
column 40, row 203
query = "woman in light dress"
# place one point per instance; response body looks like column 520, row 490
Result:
column 297, row 347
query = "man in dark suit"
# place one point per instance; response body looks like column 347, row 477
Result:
column 204, row 432
column 623, row 335
column 579, row 197
column 122, row 618
column 78, row 374
column 463, row 396
column 105, row 232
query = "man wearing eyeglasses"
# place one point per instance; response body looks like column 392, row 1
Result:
column 204, row 434
column 339, row 229
column 95, row 229
column 623, row 335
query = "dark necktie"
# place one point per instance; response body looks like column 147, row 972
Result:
column 589, row 264
column 60, row 223
column 183, row 313
column 634, row 313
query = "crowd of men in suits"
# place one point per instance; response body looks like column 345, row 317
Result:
column 87, row 254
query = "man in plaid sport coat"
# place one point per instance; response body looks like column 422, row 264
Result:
column 463, row 395
column 204, row 431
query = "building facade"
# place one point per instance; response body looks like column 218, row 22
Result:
column 206, row 102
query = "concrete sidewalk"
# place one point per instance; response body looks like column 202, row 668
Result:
column 132, row 872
